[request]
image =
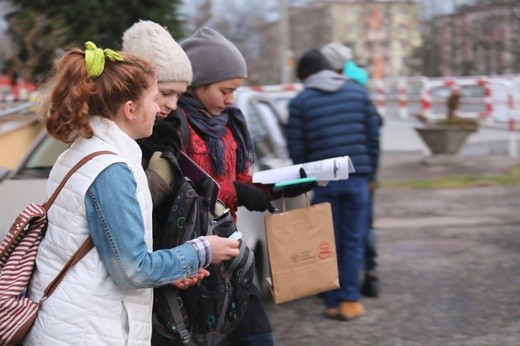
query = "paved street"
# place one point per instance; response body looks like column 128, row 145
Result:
column 448, row 265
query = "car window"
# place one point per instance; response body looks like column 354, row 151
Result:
column 40, row 160
column 266, row 131
column 258, row 132
column 274, row 127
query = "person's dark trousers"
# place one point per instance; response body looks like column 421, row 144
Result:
column 349, row 202
column 370, row 241
column 254, row 329
column 370, row 285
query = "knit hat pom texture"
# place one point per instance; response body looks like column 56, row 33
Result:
column 336, row 54
column 154, row 43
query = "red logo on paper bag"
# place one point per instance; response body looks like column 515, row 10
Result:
column 324, row 250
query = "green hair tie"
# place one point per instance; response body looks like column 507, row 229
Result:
column 95, row 58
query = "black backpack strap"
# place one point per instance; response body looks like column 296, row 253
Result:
column 177, row 317
column 184, row 128
column 174, row 163
column 229, row 272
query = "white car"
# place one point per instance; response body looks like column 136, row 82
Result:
column 280, row 95
column 27, row 183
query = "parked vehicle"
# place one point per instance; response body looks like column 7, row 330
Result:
column 27, row 183
column 280, row 95
column 17, row 125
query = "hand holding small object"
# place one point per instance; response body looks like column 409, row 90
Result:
column 222, row 249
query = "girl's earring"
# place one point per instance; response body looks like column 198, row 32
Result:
column 135, row 118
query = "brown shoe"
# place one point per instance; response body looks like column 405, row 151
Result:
column 350, row 310
column 332, row 313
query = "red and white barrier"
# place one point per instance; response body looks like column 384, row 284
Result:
column 511, row 122
column 456, row 84
column 426, row 96
column 403, row 99
column 488, row 99
column 277, row 87
column 380, row 96
column 426, row 102
column 495, row 100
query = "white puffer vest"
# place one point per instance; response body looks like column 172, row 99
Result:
column 88, row 308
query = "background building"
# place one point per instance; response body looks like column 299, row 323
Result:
column 476, row 40
column 384, row 35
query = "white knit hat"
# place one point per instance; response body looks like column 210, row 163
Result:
column 156, row 44
column 336, row 54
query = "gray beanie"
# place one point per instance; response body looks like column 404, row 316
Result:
column 336, row 54
column 213, row 57
column 156, row 44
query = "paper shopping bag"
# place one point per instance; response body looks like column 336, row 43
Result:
column 302, row 252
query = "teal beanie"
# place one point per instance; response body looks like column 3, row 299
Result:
column 356, row 73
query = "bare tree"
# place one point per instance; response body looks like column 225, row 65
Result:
column 37, row 38
column 239, row 21
column 489, row 37
column 512, row 47
column 198, row 14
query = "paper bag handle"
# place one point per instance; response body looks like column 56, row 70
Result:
column 307, row 202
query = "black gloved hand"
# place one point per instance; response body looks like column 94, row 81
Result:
column 296, row 189
column 253, row 198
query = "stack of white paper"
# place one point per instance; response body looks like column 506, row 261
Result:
column 336, row 168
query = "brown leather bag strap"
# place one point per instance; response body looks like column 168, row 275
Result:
column 84, row 160
column 87, row 244
column 78, row 255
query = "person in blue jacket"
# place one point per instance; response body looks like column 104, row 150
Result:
column 331, row 117
column 341, row 60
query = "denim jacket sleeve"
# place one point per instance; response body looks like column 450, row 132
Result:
column 115, row 223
